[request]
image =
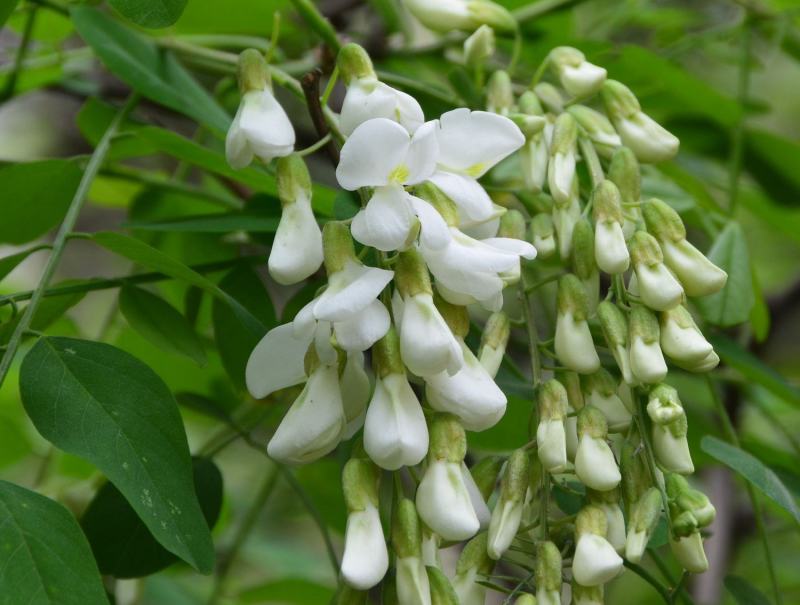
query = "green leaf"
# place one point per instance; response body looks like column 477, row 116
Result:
column 212, row 223
column 122, row 545
column 35, row 198
column 234, row 342
column 150, row 13
column 287, row 592
column 160, row 322
column 146, row 68
column 512, row 428
column 754, row 370
column 9, row 263
column 744, row 592
column 49, row 310
column 6, row 8
column 754, row 471
column 205, row 405
column 731, row 305
column 104, row 405
column 44, row 557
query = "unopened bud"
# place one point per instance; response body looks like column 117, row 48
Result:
column 485, row 474
column 647, row 361
column 578, row 77
column 681, row 339
column 360, row 484
column 595, row 561
column 252, row 71
column 499, row 95
column 529, row 103
column 337, row 245
column 494, row 341
column 587, row 595
column 479, row 46
column 644, row 518
column 573, row 341
column 595, row 465
column 690, row 553
column 598, row 128
column 473, row 563
column 437, row 198
column 456, row 316
column 615, row 331
column 565, row 216
column 543, row 235
column 608, row 502
column 547, row 574
column 670, row 428
column 635, row 474
column 447, row 439
column 442, row 592
column 601, row 392
column 561, row 168
column 350, row 596
column 550, row 97
column 507, row 513
column 658, row 288
column 684, row 500
column 354, row 63
column 624, row 173
column 525, row 599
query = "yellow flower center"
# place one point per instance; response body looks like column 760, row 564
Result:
column 400, row 174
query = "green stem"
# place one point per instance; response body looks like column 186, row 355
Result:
column 737, row 136
column 319, row 23
column 74, row 210
column 537, row 9
column 647, row 577
column 11, row 83
column 758, row 513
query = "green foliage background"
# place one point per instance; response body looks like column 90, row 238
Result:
column 164, row 207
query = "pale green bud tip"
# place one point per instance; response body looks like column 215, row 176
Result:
column 529, row 103
column 618, row 99
column 647, row 511
column 360, row 484
column 566, row 55
column 606, row 202
column 437, row 198
column 591, row 519
column 407, row 530
column 448, row 441
column 542, row 225
column 613, row 323
column 515, row 478
column 442, row 592
column 512, row 225
column 475, row 556
column 548, row 566
column 665, row 394
column 479, row 46
column 601, row 382
column 252, row 71
column 497, row 330
column 337, row 245
column 624, row 172
column 526, row 599
column 411, row 274
column 572, row 383
column 592, row 423
column 565, row 134
column 583, row 257
column 550, row 96
column 587, row 594
column 553, row 400
column 572, row 297
column 354, row 63
column 489, row 13
column 485, row 474
column 644, row 325
column 386, row 355
column 662, row 221
column 499, row 95
column 675, row 484
column 456, row 316
column 294, row 181
column 530, row 125
column 679, row 315
column 591, row 120
column 645, row 250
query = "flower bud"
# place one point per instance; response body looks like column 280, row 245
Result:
column 412, row 579
column 252, row 71
column 574, row 346
column 611, row 251
column 587, row 595
column 647, row 361
column 465, row 15
column 583, row 261
column 595, row 561
column 473, row 563
column 526, row 599
column 479, row 46
column 443, row 501
column 550, row 434
column 366, row 558
column 507, row 512
column 354, row 63
column 442, row 592
column 685, row 500
column 608, row 502
column 599, row 129
column 561, row 167
column 690, row 553
column 649, row 140
column 669, row 431
column 565, row 217
column 499, row 95
column 644, row 518
column 600, row 390
column 550, row 97
column 657, row 286
column 615, row 331
column 493, row 342
column 543, row 235
column 572, row 384
column 681, row 339
column 578, row 77
column 595, row 465
column 635, row 474
column 547, row 574
column 625, row 174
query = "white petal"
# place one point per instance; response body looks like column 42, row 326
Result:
column 364, row 100
column 506, row 518
column 409, row 112
column 386, row 220
column 658, row 287
column 560, row 174
column 266, row 125
column 551, row 442
column 366, row 558
column 616, row 525
column 350, row 291
column 355, row 388
column 595, row 561
column 617, row 415
column 395, row 433
column 365, row 329
column 672, row 452
column 698, row 275
column 574, row 345
column 444, row 504
column 375, row 150
column 467, row 194
column 277, row 362
column 514, row 246
column 647, row 361
column 237, row 149
column 582, row 80
column 427, row 344
column 413, row 587
column 609, row 248
column 304, row 323
column 650, row 141
column 421, row 158
column 472, row 142
column 690, row 553
column 478, row 503
column 684, row 344
column 434, row 232
column 297, row 249
column 595, row 464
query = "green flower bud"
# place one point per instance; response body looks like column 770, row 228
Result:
column 644, row 325
column 479, row 46
column 598, row 128
column 592, row 423
column 572, row 297
column 635, row 474
column 662, row 221
column 583, row 261
column 507, row 513
column 565, row 135
column 553, row 401
column 591, row 520
column 550, row 97
column 531, row 126
column 525, row 599
column 492, row 14
column 643, row 522
column 606, row 203
column 625, row 174
column 587, row 595
column 529, row 104
column 493, row 342
column 547, row 572
column 645, row 250
column 578, row 77
column 252, row 71
column 572, row 383
column 619, row 101
column 411, row 274
column 294, row 182
column 543, row 235
column 475, row 557
column 442, row 592
column 448, row 441
column 337, row 245
column 512, row 225
column 664, row 406
column 499, row 95
column 360, row 479
column 386, row 355
column 406, row 530
column 354, row 63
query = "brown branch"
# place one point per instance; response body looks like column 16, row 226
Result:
column 310, row 83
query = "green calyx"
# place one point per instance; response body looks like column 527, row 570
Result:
column 591, row 520
column 552, row 400
column 542, row 226
column 337, row 245
column 643, row 324
column 488, row 13
column 619, row 101
column 437, row 198
column 635, row 474
column 607, row 203
column 530, row 125
column 448, row 441
column 592, row 121
column 584, row 264
column 442, row 592
column 354, row 63
column 411, row 274
column 624, row 173
column 515, row 478
column 647, row 511
column 360, row 479
column 572, row 383
column 613, row 324
column 386, row 355
column 565, row 56
column 512, row 225
column 499, row 94
column 529, row 104
column 662, row 221
column 496, row 331
column 252, row 71
column 294, row 181
column 406, row 530
column 679, row 315
column 475, row 556
column 592, row 423
column 456, row 316
column 645, row 250
column 565, row 135
column 547, row 573
column 601, row 382
column 572, row 297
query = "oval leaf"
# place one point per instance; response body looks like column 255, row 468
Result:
column 44, row 557
column 102, row 404
column 752, row 469
column 150, row 13
column 159, row 322
column 121, row 543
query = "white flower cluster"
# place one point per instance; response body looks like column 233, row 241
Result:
column 441, row 244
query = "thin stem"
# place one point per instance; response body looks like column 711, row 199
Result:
column 11, row 83
column 74, row 210
column 330, row 86
column 592, row 161
column 758, row 513
column 319, row 23
column 315, row 146
column 647, row 577
column 537, row 9
column 737, row 136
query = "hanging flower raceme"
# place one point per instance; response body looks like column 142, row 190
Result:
column 655, row 283
column 473, row 564
column 595, row 561
column 669, row 430
column 465, row 15
column 611, row 251
column 615, row 331
column 261, row 127
column 395, row 433
column 573, row 340
column 547, row 574
column 647, row 361
column 650, row 141
column 366, row 558
column 594, row 462
column 413, row 587
column 507, row 513
column 600, row 390
column 577, row 76
column 367, row 97
column 551, row 440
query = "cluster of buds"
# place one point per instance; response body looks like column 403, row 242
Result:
column 432, row 252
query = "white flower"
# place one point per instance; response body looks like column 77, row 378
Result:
column 655, row 284
column 672, row 450
column 478, row 503
column 367, row 98
column 602, row 395
column 461, row 161
column 395, row 433
column 698, row 275
column 468, row 591
column 551, row 443
column 574, row 345
column 361, row 331
column 350, row 291
column 466, row 15
column 444, row 503
column 277, row 362
column 616, row 524
column 595, row 464
column 260, row 127
column 366, row 558
column 314, row 424
column 595, row 561
column 681, row 339
column 470, row 394
column 565, row 217
column 427, row 345
column 611, row 252
column 578, row 77
column 650, row 141
column 413, row 587
column 690, row 553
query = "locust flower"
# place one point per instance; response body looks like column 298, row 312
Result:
column 600, row 390
column 625, row 174
column 595, row 561
column 493, row 342
column 681, row 339
column 579, row 77
column 561, row 165
column 547, row 574
column 598, row 128
column 611, row 251
column 413, row 587
column 507, row 513
column 573, row 340
column 669, row 430
column 595, row 465
column 690, row 553
column 608, row 502
column 657, row 286
column 647, row 360
column 643, row 522
column 615, row 330
column 551, row 440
